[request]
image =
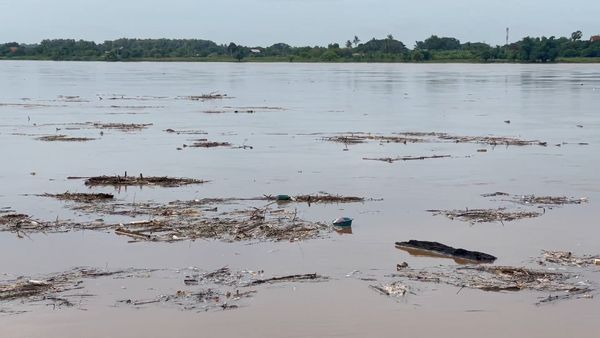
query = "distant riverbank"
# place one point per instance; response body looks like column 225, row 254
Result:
column 303, row 60
column 435, row 49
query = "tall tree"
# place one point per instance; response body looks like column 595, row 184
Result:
column 356, row 41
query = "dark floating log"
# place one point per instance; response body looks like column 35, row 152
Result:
column 448, row 251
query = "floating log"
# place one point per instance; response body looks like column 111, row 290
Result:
column 448, row 251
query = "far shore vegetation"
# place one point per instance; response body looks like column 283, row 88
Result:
column 572, row 49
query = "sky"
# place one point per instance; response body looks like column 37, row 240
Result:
column 296, row 22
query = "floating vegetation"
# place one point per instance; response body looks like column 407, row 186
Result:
column 325, row 198
column 64, row 138
column 185, row 132
column 486, row 215
column 82, row 197
column 209, row 144
column 162, row 181
column 205, row 97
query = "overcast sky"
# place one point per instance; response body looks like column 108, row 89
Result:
column 297, row 22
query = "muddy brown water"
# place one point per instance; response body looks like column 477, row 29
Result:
column 543, row 102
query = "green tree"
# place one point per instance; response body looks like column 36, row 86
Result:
column 417, row 55
column 436, row 43
column 576, row 35
column 348, row 44
column 329, row 55
column 356, row 41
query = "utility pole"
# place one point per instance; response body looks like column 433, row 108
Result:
column 507, row 30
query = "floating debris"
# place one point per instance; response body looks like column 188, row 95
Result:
column 162, row 181
column 121, row 126
column 63, row 138
column 181, row 221
column 430, row 137
column 548, row 200
column 205, row 97
column 186, row 132
column 486, row 215
column 405, row 158
column 262, row 224
column 500, row 278
column 289, row 278
column 567, row 258
column 395, row 289
column 357, row 138
column 342, row 222
column 51, row 289
column 226, row 219
column 219, row 290
column 492, row 140
column 130, row 98
column 327, row 198
column 81, row 197
column 208, row 144
column 446, row 251
column 494, row 194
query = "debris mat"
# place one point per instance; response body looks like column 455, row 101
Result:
column 486, row 215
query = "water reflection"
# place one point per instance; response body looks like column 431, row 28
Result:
column 431, row 254
column 343, row 230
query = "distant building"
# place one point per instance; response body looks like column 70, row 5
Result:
column 13, row 49
column 255, row 51
column 595, row 38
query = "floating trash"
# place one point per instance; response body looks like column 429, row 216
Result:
column 342, row 222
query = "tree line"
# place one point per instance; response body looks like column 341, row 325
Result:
column 388, row 49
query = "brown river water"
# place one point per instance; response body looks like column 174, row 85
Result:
column 294, row 106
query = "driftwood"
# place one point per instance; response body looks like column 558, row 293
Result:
column 290, row 278
column 447, row 251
